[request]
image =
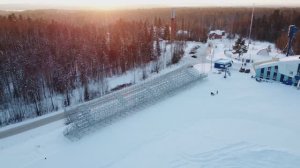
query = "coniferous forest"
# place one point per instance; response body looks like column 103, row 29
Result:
column 45, row 53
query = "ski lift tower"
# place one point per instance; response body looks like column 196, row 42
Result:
column 292, row 35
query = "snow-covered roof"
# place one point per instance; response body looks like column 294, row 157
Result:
column 218, row 32
column 263, row 52
column 184, row 32
column 290, row 58
column 223, row 61
column 276, row 61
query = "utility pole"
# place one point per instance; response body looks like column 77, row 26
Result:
column 250, row 31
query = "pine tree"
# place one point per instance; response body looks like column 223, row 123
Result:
column 167, row 32
column 157, row 63
column 178, row 52
column 239, row 47
column 86, row 93
column 158, row 49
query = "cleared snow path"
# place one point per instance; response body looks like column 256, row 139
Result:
column 31, row 125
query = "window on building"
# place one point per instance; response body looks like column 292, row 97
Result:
column 268, row 74
column 298, row 72
column 262, row 70
column 269, row 68
column 276, row 68
column 275, row 76
column 281, row 78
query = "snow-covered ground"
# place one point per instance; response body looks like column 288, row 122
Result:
column 248, row 124
column 132, row 76
column 97, row 89
column 222, row 48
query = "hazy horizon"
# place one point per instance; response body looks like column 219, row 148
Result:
column 131, row 4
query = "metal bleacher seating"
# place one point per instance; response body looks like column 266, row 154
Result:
column 121, row 102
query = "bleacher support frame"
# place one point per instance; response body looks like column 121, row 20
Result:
column 122, row 102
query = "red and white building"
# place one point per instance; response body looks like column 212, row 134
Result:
column 216, row 34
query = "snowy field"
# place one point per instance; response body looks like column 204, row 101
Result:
column 97, row 89
column 222, row 49
column 248, row 124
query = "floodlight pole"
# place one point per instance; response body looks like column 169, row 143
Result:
column 251, row 26
column 251, row 30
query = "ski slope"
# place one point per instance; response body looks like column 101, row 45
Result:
column 247, row 124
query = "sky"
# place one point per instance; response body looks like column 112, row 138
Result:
column 112, row 4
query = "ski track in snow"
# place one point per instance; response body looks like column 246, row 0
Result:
column 239, row 155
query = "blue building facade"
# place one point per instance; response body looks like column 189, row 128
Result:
column 286, row 70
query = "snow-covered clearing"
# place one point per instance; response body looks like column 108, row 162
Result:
column 97, row 89
column 247, row 124
column 132, row 76
column 223, row 48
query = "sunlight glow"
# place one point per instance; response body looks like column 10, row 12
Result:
column 113, row 4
